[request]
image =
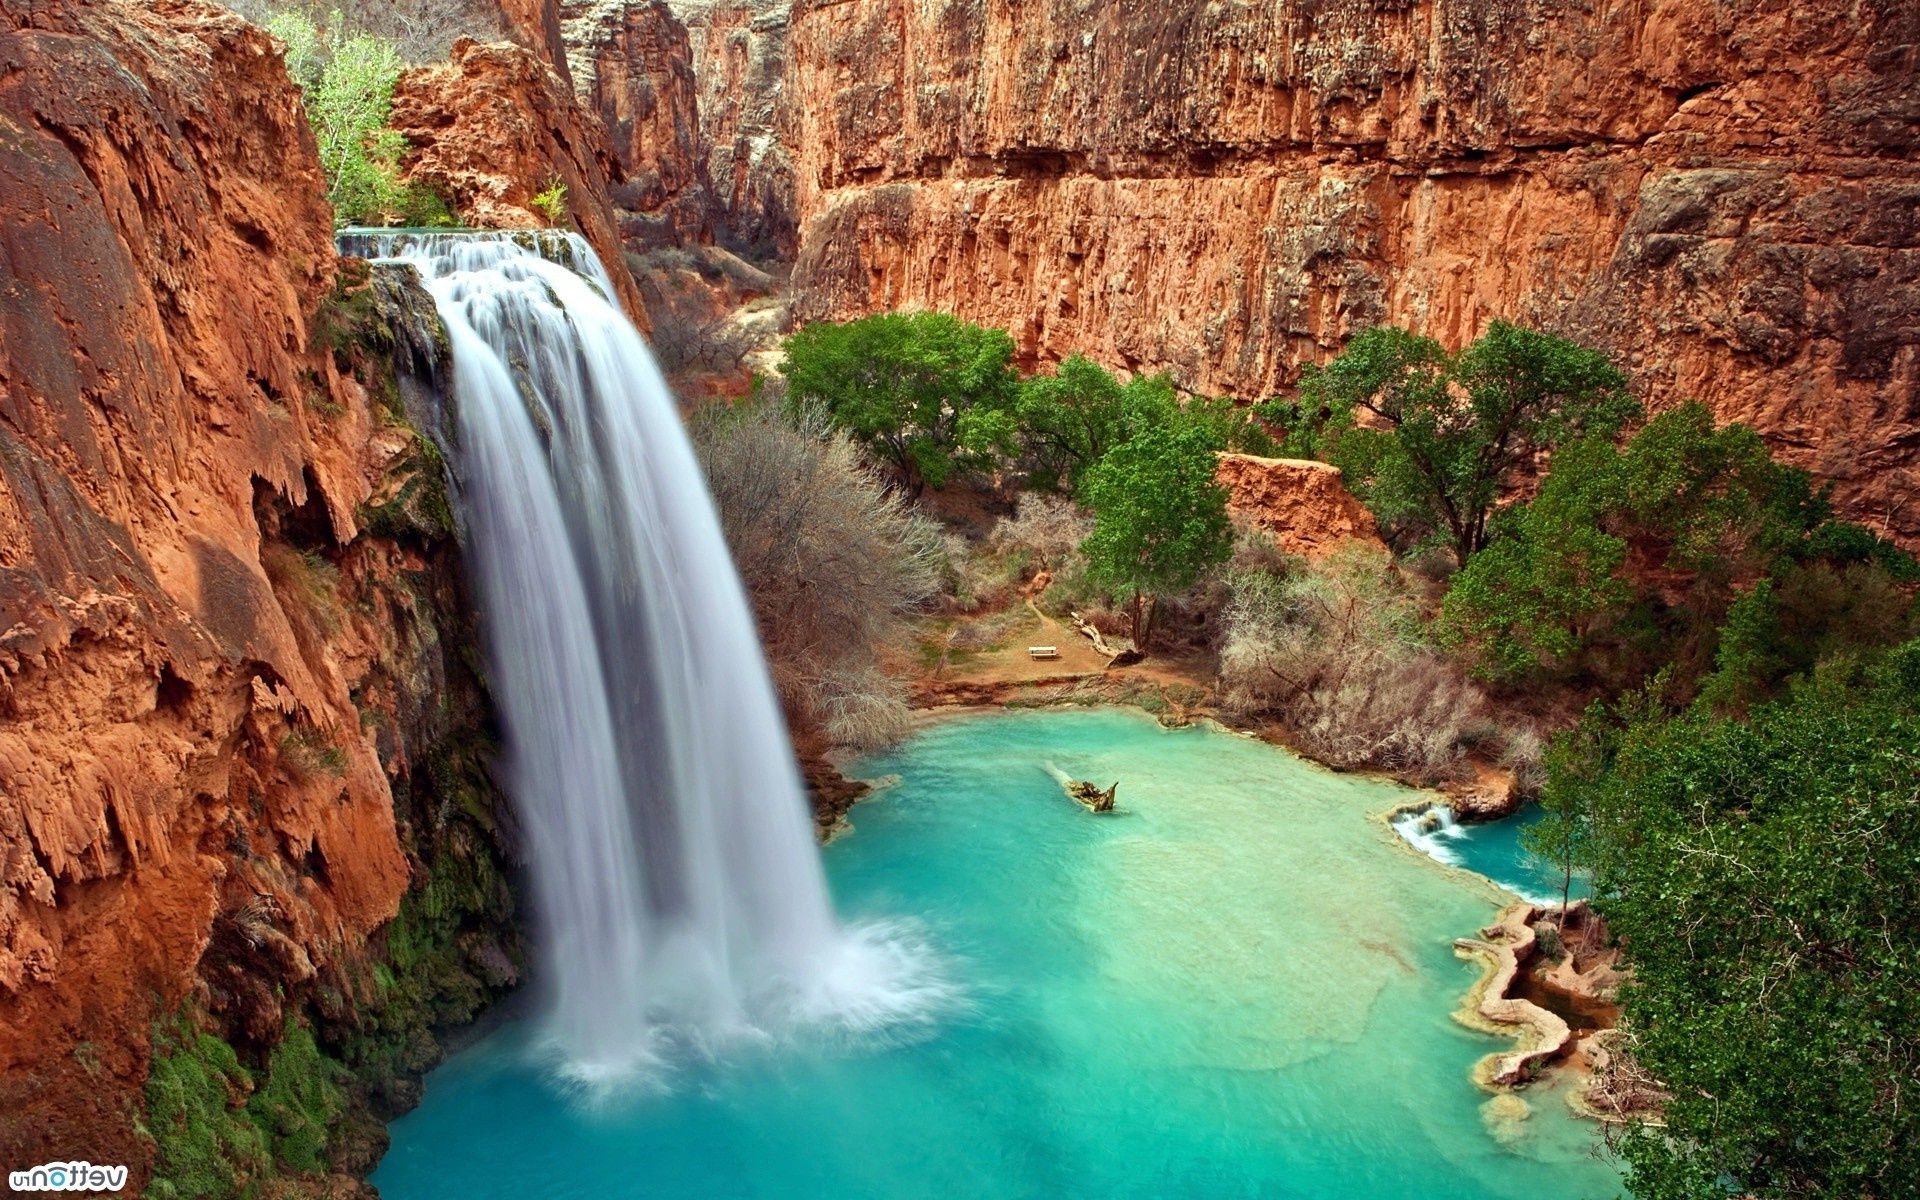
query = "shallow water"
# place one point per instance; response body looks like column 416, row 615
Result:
column 1237, row 986
column 1492, row 849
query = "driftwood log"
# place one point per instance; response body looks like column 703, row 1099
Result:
column 1089, row 796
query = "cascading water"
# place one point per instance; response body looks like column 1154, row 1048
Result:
column 680, row 894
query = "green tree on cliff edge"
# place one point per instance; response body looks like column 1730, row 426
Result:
column 1160, row 519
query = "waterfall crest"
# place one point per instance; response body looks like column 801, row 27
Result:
column 681, row 900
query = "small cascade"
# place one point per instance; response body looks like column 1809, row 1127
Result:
column 1434, row 831
column 681, row 902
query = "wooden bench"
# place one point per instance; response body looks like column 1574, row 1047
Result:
column 1038, row 652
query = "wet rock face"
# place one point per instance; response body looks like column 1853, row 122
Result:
column 218, row 652
column 1727, row 195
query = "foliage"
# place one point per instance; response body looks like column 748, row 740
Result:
column 1336, row 651
column 1160, row 519
column 551, row 201
column 1702, row 514
column 1070, row 417
column 1764, row 874
column 925, row 393
column 205, row 1145
column 1430, row 440
column 421, row 30
column 348, row 79
column 300, row 1101
column 832, row 561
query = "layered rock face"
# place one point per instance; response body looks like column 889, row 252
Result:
column 739, row 67
column 495, row 126
column 1727, row 195
column 633, row 66
column 220, row 659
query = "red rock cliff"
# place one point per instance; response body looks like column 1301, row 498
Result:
column 1728, row 195
column 202, row 650
column 632, row 65
column 498, row 124
column 739, row 67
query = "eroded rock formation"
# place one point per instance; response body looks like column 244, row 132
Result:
column 1302, row 505
column 1727, row 195
column 494, row 127
column 633, row 66
column 222, row 578
column 740, row 67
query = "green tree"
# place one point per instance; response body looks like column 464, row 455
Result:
column 1762, row 874
column 348, row 80
column 926, row 394
column 1704, row 511
column 1071, row 416
column 1160, row 519
column 1431, row 440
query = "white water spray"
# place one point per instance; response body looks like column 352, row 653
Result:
column 680, row 894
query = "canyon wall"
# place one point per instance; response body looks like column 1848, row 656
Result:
column 1727, row 195
column 495, row 126
column 739, row 69
column 231, row 655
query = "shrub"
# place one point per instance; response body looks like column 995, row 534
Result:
column 348, row 80
column 551, row 201
column 832, row 561
column 1762, row 873
column 1049, row 529
column 1629, row 553
column 1335, row 652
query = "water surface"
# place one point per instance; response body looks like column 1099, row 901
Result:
column 1237, row 986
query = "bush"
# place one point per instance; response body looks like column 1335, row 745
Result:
column 832, row 561
column 1048, row 529
column 348, row 80
column 1335, row 652
column 1632, row 556
column 1762, row 873
column 422, row 31
column 551, row 202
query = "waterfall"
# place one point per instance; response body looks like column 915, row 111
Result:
column 680, row 897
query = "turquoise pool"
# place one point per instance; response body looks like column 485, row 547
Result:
column 1239, row 985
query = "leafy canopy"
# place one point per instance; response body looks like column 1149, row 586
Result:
column 1765, row 874
column 1430, row 440
column 348, row 81
column 927, row 394
column 1160, row 518
column 1704, row 511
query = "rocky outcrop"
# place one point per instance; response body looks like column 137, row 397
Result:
column 633, row 66
column 740, row 66
column 224, row 667
column 1505, row 947
column 495, row 126
column 1727, row 195
column 1302, row 505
